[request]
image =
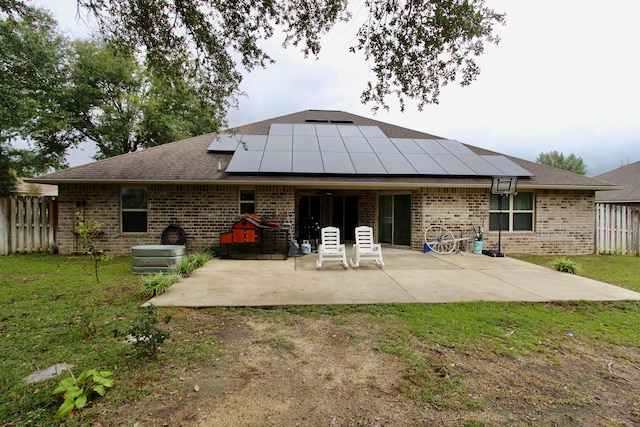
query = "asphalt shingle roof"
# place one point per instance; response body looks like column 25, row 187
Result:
column 627, row 176
column 188, row 161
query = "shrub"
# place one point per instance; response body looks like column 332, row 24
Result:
column 565, row 265
column 158, row 283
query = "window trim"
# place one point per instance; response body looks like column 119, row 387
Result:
column 123, row 210
column 510, row 211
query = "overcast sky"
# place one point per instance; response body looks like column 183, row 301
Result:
column 565, row 77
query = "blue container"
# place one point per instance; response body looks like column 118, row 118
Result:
column 477, row 247
column 426, row 248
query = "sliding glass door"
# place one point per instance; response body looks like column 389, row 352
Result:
column 394, row 219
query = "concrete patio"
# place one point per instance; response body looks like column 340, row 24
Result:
column 408, row 277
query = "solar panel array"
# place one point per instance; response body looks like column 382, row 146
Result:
column 349, row 149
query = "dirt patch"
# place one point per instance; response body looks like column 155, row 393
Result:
column 306, row 371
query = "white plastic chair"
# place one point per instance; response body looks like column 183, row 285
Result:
column 331, row 249
column 365, row 249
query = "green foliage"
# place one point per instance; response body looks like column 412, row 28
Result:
column 144, row 333
column 417, row 49
column 34, row 74
column 413, row 48
column 7, row 175
column 59, row 93
column 565, row 265
column 190, row 263
column 571, row 163
column 157, row 284
column 77, row 391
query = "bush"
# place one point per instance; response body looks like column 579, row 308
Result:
column 159, row 283
column 565, row 265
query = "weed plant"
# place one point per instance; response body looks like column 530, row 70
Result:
column 565, row 265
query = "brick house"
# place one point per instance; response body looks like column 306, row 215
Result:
column 329, row 168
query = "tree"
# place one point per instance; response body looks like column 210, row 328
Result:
column 414, row 47
column 102, row 101
column 194, row 48
column 571, row 163
column 32, row 76
column 7, row 176
column 116, row 102
column 60, row 93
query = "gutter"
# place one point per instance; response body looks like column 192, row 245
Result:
column 330, row 184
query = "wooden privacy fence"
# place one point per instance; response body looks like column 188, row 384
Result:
column 617, row 229
column 27, row 224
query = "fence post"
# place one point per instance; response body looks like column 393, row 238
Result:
column 4, row 226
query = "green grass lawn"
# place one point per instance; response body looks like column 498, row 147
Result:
column 616, row 269
column 52, row 311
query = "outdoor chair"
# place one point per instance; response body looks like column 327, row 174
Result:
column 365, row 249
column 331, row 249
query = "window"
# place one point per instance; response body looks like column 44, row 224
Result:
column 247, row 201
column 134, row 210
column 517, row 212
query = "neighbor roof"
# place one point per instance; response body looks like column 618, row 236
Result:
column 627, row 176
column 190, row 161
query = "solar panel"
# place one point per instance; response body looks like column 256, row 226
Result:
column 224, row 142
column 425, row 165
column 307, row 162
column 507, row 166
column 305, row 143
column 396, row 164
column 382, row 145
column 455, row 147
column 407, row 146
column 304, row 130
column 331, row 144
column 276, row 162
column 346, row 130
column 245, row 161
column 356, row 144
column 253, row 142
column 452, row 165
column 367, row 163
column 372, row 132
column 281, row 129
column 479, row 165
column 327, row 130
column 431, row 146
column 337, row 163
column 279, row 143
column 347, row 149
